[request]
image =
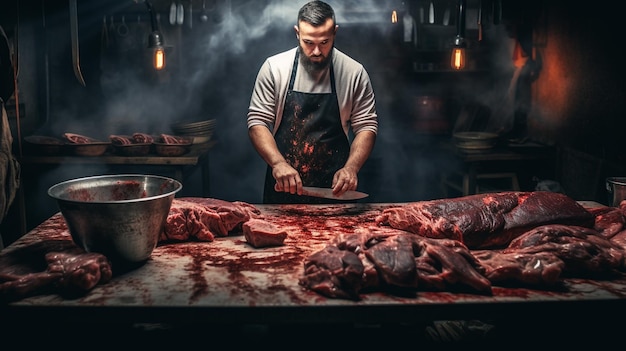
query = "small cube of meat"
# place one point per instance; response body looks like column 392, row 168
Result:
column 261, row 233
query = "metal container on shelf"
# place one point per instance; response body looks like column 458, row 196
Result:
column 616, row 189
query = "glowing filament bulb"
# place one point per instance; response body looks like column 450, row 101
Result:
column 457, row 60
column 394, row 16
column 159, row 59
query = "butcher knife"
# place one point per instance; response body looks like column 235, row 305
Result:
column 74, row 38
column 328, row 193
column 431, row 13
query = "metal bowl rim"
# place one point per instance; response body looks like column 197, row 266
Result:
column 178, row 186
column 616, row 180
column 475, row 136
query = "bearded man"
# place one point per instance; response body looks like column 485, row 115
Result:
column 312, row 115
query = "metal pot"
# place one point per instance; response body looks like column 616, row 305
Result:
column 616, row 188
column 120, row 216
column 475, row 141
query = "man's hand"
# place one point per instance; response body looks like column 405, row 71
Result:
column 287, row 178
column 344, row 179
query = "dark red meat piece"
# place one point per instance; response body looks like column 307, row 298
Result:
column 333, row 273
column 394, row 261
column 261, row 233
column 53, row 266
column 584, row 250
column 619, row 240
column 521, row 269
column 539, row 208
column 610, row 221
column 80, row 271
column 486, row 220
column 357, row 242
column 446, row 264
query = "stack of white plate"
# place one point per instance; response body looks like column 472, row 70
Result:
column 200, row 131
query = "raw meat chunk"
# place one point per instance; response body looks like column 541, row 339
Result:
column 610, row 221
column 523, row 269
column 619, row 239
column 333, row 273
column 80, row 271
column 261, row 233
column 53, row 266
column 394, row 261
column 446, row 264
column 584, row 250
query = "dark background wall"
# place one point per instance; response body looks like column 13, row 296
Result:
column 545, row 69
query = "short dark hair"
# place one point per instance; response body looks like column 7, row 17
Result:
column 316, row 13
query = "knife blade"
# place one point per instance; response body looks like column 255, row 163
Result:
column 480, row 20
column 446, row 16
column 74, row 38
column 328, row 193
column 431, row 13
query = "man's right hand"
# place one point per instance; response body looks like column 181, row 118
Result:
column 287, row 178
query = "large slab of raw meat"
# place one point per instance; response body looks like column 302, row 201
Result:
column 203, row 219
column 486, row 220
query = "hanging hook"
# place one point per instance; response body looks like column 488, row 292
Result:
column 122, row 29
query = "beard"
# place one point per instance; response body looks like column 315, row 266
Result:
column 311, row 66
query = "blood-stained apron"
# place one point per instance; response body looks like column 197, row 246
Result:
column 311, row 139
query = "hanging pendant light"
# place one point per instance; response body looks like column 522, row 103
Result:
column 155, row 42
column 459, row 56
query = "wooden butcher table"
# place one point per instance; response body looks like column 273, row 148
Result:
column 228, row 281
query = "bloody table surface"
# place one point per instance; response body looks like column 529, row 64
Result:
column 227, row 280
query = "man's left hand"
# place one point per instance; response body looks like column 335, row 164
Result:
column 345, row 179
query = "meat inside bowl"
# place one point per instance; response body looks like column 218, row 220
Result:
column 120, row 216
column 138, row 144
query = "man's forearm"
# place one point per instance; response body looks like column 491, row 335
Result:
column 360, row 150
column 264, row 143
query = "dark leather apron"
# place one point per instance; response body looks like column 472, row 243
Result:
column 311, row 139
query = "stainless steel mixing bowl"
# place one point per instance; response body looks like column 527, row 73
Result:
column 120, row 216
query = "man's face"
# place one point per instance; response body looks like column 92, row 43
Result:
column 316, row 43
